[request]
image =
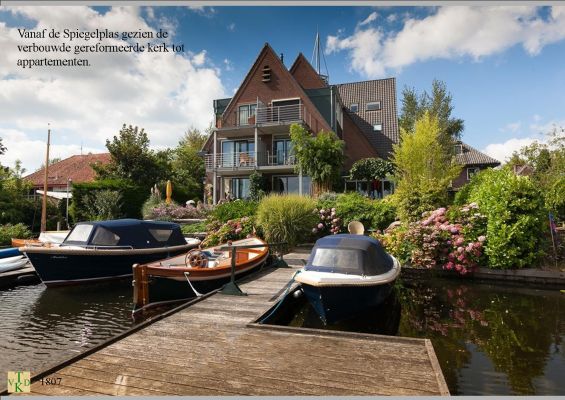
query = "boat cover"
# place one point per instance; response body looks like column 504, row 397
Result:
column 127, row 232
column 349, row 254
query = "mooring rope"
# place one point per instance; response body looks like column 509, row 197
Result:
column 287, row 290
column 190, row 284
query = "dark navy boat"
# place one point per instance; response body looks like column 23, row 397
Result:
column 102, row 250
column 347, row 274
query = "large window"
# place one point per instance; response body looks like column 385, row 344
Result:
column 290, row 184
column 245, row 113
column 238, row 188
column 373, row 106
column 80, row 234
column 375, row 189
column 238, row 153
column 282, row 152
column 104, row 237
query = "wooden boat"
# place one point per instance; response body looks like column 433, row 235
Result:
column 9, row 252
column 102, row 250
column 12, row 263
column 346, row 275
column 52, row 237
column 196, row 272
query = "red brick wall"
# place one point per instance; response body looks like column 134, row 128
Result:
column 281, row 86
column 356, row 144
column 305, row 75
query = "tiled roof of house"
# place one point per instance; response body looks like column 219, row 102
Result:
column 468, row 155
column 361, row 93
column 75, row 167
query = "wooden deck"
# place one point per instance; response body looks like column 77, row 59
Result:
column 20, row 276
column 210, row 348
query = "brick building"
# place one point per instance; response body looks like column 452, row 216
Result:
column 252, row 128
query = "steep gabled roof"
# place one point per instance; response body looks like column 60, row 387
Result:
column 361, row 93
column 267, row 49
column 76, row 168
column 305, row 74
column 471, row 156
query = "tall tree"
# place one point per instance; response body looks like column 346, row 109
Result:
column 2, row 147
column 320, row 156
column 188, row 165
column 438, row 104
column 424, row 171
column 132, row 159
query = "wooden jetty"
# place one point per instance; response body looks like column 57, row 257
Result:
column 20, row 276
column 213, row 347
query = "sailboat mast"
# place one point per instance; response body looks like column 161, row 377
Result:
column 44, row 205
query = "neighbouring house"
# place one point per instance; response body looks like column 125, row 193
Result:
column 252, row 128
column 473, row 161
column 62, row 174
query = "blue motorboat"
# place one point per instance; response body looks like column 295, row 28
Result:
column 346, row 275
column 102, row 250
column 9, row 252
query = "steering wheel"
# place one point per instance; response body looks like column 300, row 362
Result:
column 196, row 259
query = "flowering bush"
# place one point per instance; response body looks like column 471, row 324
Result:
column 435, row 241
column 234, row 229
column 168, row 212
column 329, row 222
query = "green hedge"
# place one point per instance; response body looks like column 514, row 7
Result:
column 9, row 231
column 234, row 209
column 133, row 197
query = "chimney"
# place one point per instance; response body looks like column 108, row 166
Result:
column 282, row 58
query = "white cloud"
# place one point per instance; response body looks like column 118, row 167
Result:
column 391, row 18
column 31, row 152
column 450, row 33
column 163, row 93
column 512, row 127
column 372, row 17
column 503, row 151
column 228, row 65
column 199, row 58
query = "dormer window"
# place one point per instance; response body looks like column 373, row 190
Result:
column 373, row 106
column 354, row 108
column 378, row 128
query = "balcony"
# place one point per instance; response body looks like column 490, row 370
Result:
column 264, row 116
column 249, row 160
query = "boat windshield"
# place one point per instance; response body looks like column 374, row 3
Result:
column 80, row 233
column 338, row 260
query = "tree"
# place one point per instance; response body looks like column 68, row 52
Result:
column 369, row 169
column 256, row 186
column 320, row 157
column 548, row 162
column 437, row 104
column 2, row 147
column 51, row 162
column 188, row 169
column 424, row 171
column 132, row 159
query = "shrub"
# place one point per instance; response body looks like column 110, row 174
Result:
column 287, row 218
column 103, row 205
column 384, row 214
column 233, row 210
column 194, row 228
column 257, row 186
column 234, row 229
column 133, row 197
column 374, row 214
column 168, row 212
column 514, row 207
column 9, row 231
column 329, row 222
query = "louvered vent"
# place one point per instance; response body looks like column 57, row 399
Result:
column 266, row 73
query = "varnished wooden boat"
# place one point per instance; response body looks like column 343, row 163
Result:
column 51, row 237
column 191, row 274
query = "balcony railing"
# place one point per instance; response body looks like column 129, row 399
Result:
column 249, row 159
column 265, row 115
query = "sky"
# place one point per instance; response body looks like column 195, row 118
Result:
column 504, row 66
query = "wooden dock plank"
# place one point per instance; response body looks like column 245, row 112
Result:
column 210, row 348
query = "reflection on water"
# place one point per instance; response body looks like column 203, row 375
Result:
column 490, row 339
column 42, row 326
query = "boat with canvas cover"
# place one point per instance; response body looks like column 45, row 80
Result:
column 102, row 250
column 52, row 237
column 194, row 273
column 12, row 263
column 347, row 274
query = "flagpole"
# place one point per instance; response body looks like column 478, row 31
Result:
column 44, row 204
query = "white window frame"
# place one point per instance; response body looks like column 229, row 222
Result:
column 473, row 171
column 356, row 105
column 378, row 130
column 379, row 107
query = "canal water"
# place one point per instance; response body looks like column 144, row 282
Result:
column 488, row 339
column 40, row 327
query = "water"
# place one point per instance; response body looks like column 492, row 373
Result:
column 40, row 326
column 489, row 340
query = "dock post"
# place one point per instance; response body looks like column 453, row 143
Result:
column 231, row 287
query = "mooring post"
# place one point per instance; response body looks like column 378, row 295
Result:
column 231, row 287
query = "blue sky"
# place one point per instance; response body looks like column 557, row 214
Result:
column 505, row 67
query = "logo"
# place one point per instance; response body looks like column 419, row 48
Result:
column 19, row 382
